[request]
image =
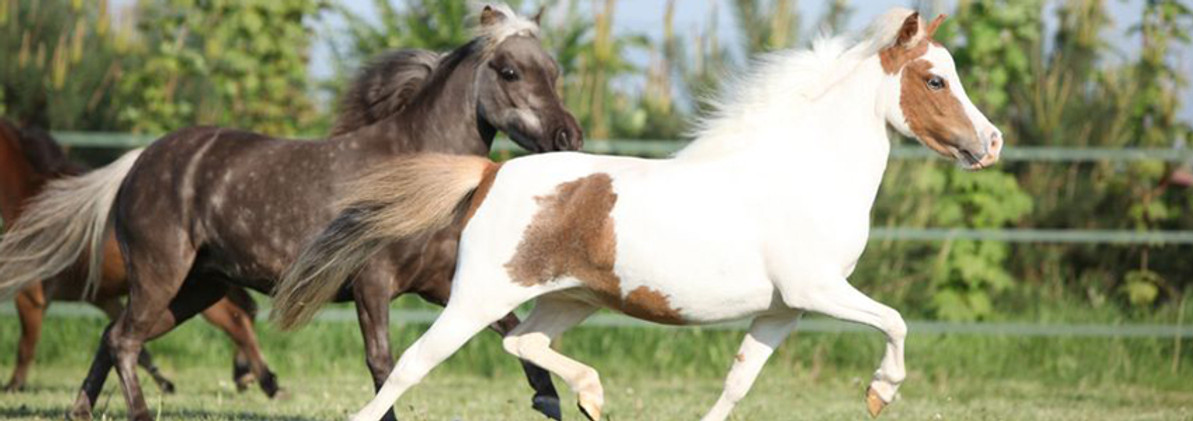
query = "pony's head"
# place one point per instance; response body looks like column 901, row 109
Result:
column 923, row 96
column 516, row 84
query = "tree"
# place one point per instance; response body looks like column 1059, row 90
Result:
column 233, row 63
column 61, row 62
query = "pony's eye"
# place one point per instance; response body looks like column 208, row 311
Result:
column 508, row 74
column 935, row 83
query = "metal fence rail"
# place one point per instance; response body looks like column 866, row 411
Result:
column 1049, row 236
column 810, row 324
column 659, row 148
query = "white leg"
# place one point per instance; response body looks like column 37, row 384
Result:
column 531, row 341
column 841, row 300
column 766, row 333
column 461, row 320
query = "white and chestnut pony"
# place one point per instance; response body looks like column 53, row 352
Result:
column 763, row 216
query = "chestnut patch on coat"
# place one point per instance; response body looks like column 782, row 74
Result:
column 893, row 58
column 935, row 116
column 572, row 235
column 482, row 190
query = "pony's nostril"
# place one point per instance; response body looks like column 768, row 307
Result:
column 562, row 139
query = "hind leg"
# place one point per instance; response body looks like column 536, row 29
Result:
column 152, row 311
column 766, row 333
column 112, row 308
column 249, row 361
column 31, row 309
column 531, row 340
column 463, row 318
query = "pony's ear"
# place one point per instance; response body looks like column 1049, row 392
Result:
column 538, row 17
column 491, row 16
column 909, row 30
column 934, row 25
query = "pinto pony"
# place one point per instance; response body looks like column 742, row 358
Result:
column 203, row 209
column 763, row 216
column 30, row 162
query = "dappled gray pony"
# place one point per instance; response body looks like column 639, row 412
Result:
column 29, row 159
column 205, row 208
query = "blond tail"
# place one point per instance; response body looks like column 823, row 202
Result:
column 70, row 215
column 402, row 198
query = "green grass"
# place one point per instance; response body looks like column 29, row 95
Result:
column 648, row 374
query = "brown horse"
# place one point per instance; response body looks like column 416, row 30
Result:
column 29, row 158
column 205, row 208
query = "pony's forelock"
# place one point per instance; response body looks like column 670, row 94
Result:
column 512, row 25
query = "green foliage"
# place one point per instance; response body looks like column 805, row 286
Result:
column 223, row 62
column 769, row 25
column 61, row 61
column 426, row 24
column 1141, row 287
column 999, row 37
column 957, row 280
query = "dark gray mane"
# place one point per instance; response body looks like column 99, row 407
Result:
column 384, row 87
column 394, row 80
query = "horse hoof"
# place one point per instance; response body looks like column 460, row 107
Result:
column 590, row 410
column 874, row 403
column 269, row 384
column 13, row 387
column 549, row 406
column 167, row 387
column 81, row 409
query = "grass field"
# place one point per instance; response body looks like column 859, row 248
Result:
column 648, row 374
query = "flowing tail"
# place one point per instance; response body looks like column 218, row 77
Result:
column 401, row 199
column 70, row 215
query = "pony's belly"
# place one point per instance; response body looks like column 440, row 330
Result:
column 703, row 304
column 684, row 302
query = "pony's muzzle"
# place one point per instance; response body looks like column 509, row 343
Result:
column 569, row 137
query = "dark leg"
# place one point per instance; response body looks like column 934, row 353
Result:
column 249, row 362
column 196, row 294
column 31, row 308
column 372, row 292
column 96, row 376
column 112, row 308
column 546, row 398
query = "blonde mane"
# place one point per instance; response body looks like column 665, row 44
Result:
column 792, row 78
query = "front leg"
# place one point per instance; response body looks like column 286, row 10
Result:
column 372, row 292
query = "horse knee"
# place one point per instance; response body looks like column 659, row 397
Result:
column 523, row 345
column 895, row 326
column 510, row 344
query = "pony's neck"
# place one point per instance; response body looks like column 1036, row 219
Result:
column 443, row 117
